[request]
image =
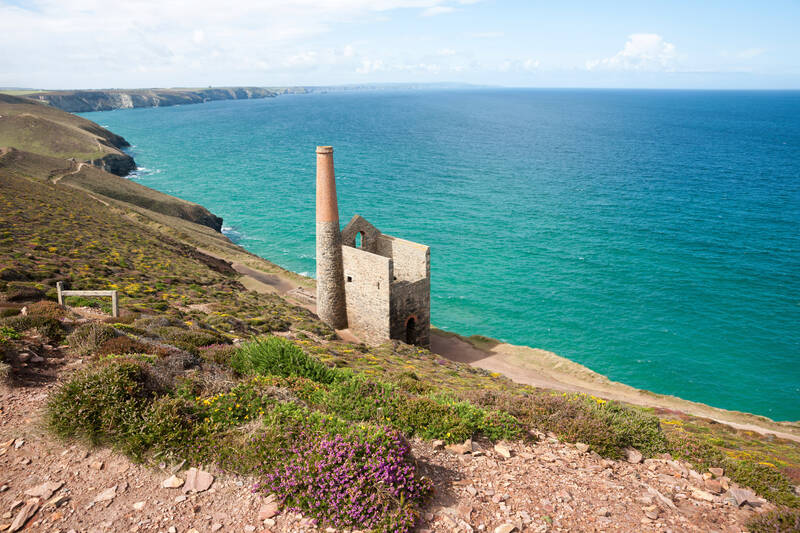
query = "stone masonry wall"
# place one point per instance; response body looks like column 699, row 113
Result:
column 330, row 284
column 411, row 260
column 367, row 284
column 370, row 235
column 411, row 299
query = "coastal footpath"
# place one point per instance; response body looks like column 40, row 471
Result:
column 218, row 401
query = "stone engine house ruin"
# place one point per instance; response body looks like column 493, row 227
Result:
column 377, row 285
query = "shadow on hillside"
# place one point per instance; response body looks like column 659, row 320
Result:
column 457, row 349
column 27, row 374
column 443, row 481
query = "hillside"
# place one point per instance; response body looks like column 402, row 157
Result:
column 40, row 129
column 215, row 364
column 42, row 142
column 106, row 100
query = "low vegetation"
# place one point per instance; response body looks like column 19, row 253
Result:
column 779, row 521
column 199, row 368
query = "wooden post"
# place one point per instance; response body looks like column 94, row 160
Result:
column 114, row 297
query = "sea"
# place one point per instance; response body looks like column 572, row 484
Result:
column 652, row 236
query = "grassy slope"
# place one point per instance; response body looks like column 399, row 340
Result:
column 37, row 128
column 52, row 232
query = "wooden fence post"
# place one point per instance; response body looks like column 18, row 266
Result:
column 114, row 304
column 60, row 297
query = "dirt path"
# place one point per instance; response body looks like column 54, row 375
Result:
column 546, row 369
column 80, row 166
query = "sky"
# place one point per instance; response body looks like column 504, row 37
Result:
column 75, row 44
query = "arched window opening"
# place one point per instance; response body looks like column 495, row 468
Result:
column 360, row 240
column 411, row 330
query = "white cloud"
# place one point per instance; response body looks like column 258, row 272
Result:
column 445, row 52
column 750, row 53
column 642, row 51
column 368, row 66
column 181, row 41
column 524, row 65
column 437, row 10
column 530, row 64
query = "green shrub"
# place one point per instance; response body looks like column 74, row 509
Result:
column 217, row 353
column 9, row 311
column 354, row 398
column 169, row 426
column 280, row 357
column 88, row 337
column 189, row 339
column 607, row 427
column 81, row 301
column 102, row 404
column 778, row 521
column 7, row 333
column 410, row 382
column 49, row 328
column 765, row 480
column 632, row 426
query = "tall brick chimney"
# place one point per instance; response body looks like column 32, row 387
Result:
column 331, row 305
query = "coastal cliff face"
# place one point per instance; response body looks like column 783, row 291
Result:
column 40, row 142
column 32, row 126
column 84, row 101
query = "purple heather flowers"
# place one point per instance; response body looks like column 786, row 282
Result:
column 350, row 481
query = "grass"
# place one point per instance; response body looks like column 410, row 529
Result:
column 21, row 92
column 170, row 378
column 38, row 128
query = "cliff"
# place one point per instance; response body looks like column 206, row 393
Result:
column 40, row 142
column 106, row 100
column 40, row 129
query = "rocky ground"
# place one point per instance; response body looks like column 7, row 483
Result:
column 48, row 485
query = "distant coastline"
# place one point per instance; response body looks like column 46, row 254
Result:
column 88, row 100
column 107, row 100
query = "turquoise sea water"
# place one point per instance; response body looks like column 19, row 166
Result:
column 653, row 236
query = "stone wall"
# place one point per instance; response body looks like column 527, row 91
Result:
column 367, row 284
column 411, row 260
column 387, row 282
column 370, row 235
column 411, row 300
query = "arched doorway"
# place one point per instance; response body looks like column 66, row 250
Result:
column 411, row 330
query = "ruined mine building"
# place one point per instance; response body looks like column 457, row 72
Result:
column 377, row 285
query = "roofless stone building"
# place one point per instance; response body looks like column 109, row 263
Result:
column 377, row 285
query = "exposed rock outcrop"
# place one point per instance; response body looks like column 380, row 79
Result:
column 119, row 164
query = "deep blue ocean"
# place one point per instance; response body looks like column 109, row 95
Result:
column 653, row 236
